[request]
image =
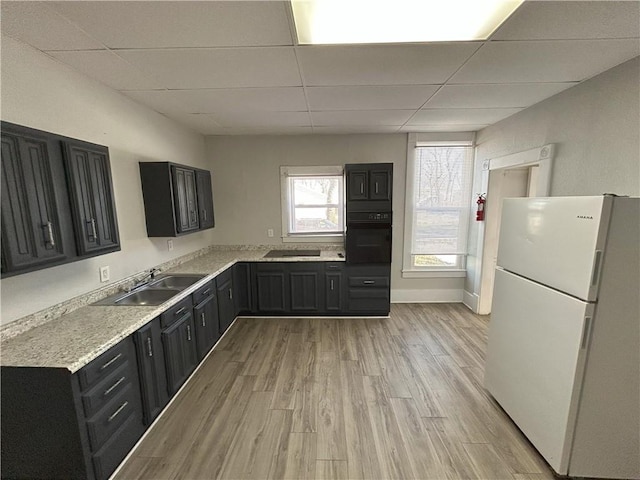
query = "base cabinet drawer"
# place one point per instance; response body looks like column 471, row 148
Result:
column 371, row 301
column 117, row 447
column 104, row 423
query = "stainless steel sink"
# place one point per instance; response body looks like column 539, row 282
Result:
column 147, row 296
column 176, row 281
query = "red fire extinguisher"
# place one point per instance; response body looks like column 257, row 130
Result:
column 480, row 212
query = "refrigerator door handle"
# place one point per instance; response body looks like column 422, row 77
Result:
column 597, row 260
column 585, row 333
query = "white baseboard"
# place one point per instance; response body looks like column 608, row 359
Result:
column 427, row 295
column 471, row 300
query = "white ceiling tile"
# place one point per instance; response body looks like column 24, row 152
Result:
column 461, row 116
column 204, row 124
column 544, row 61
column 218, row 68
column 444, row 128
column 331, row 130
column 108, row 68
column 360, row 118
column 266, row 131
column 494, row 95
column 370, row 97
column 36, row 24
column 153, row 24
column 382, row 64
column 258, row 119
column 284, row 99
column 554, row 20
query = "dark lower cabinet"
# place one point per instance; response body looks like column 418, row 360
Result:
column 243, row 291
column 56, row 424
column 333, row 288
column 306, row 287
column 271, row 288
column 205, row 316
column 181, row 357
column 152, row 370
column 368, row 289
column 226, row 305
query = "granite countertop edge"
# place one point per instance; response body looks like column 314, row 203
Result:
column 75, row 339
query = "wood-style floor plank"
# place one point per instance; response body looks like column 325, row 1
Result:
column 341, row 398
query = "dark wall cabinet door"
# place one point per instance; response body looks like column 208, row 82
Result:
column 92, row 203
column 205, row 199
column 151, row 367
column 226, row 305
column 271, row 287
column 180, row 353
column 184, row 184
column 34, row 231
column 205, row 317
column 380, row 184
column 358, row 184
column 306, row 287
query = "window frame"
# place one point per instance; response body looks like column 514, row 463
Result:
column 409, row 270
column 286, row 172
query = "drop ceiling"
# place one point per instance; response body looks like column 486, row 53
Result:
column 233, row 67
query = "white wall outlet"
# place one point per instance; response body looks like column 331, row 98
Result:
column 170, row 245
column 104, row 274
column 270, row 232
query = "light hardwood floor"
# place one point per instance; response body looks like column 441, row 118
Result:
column 290, row 398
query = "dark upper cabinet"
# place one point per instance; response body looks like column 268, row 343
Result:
column 205, row 317
column 369, row 186
column 57, row 200
column 92, row 203
column 152, row 371
column 34, row 230
column 177, row 199
column 180, row 353
column 205, row 199
column 184, row 187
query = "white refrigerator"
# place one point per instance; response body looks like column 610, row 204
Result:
column 563, row 354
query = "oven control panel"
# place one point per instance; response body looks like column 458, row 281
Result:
column 369, row 217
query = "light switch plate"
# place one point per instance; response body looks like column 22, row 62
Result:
column 270, row 232
column 170, row 244
column 104, row 274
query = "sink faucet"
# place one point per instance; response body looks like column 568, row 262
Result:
column 144, row 281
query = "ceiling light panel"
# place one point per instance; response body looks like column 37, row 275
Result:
column 397, row 21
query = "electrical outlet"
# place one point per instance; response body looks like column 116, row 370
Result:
column 270, row 232
column 170, row 245
column 104, row 274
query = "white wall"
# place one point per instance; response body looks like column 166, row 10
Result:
column 596, row 129
column 246, row 183
column 41, row 93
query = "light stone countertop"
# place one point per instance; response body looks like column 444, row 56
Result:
column 73, row 340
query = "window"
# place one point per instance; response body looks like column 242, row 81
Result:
column 439, row 176
column 312, row 203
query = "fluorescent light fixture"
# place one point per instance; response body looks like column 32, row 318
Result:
column 398, row 21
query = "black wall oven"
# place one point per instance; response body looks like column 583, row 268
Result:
column 368, row 238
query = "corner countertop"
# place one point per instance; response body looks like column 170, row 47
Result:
column 75, row 339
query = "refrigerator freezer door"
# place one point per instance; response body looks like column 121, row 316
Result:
column 556, row 241
column 535, row 360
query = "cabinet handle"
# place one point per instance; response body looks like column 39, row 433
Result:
column 180, row 311
column 230, row 294
column 206, row 292
column 369, row 282
column 117, row 412
column 50, row 238
column 110, row 361
column 188, row 333
column 94, row 232
column 362, row 189
column 331, row 284
column 204, row 323
column 204, row 214
column 376, row 187
column 110, row 389
column 149, row 349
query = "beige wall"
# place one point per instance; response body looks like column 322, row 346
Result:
column 41, row 93
column 246, row 183
column 596, row 129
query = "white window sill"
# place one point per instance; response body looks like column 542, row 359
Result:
column 435, row 273
column 338, row 239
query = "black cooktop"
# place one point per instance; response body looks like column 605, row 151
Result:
column 292, row 253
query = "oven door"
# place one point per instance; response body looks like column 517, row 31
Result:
column 368, row 243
